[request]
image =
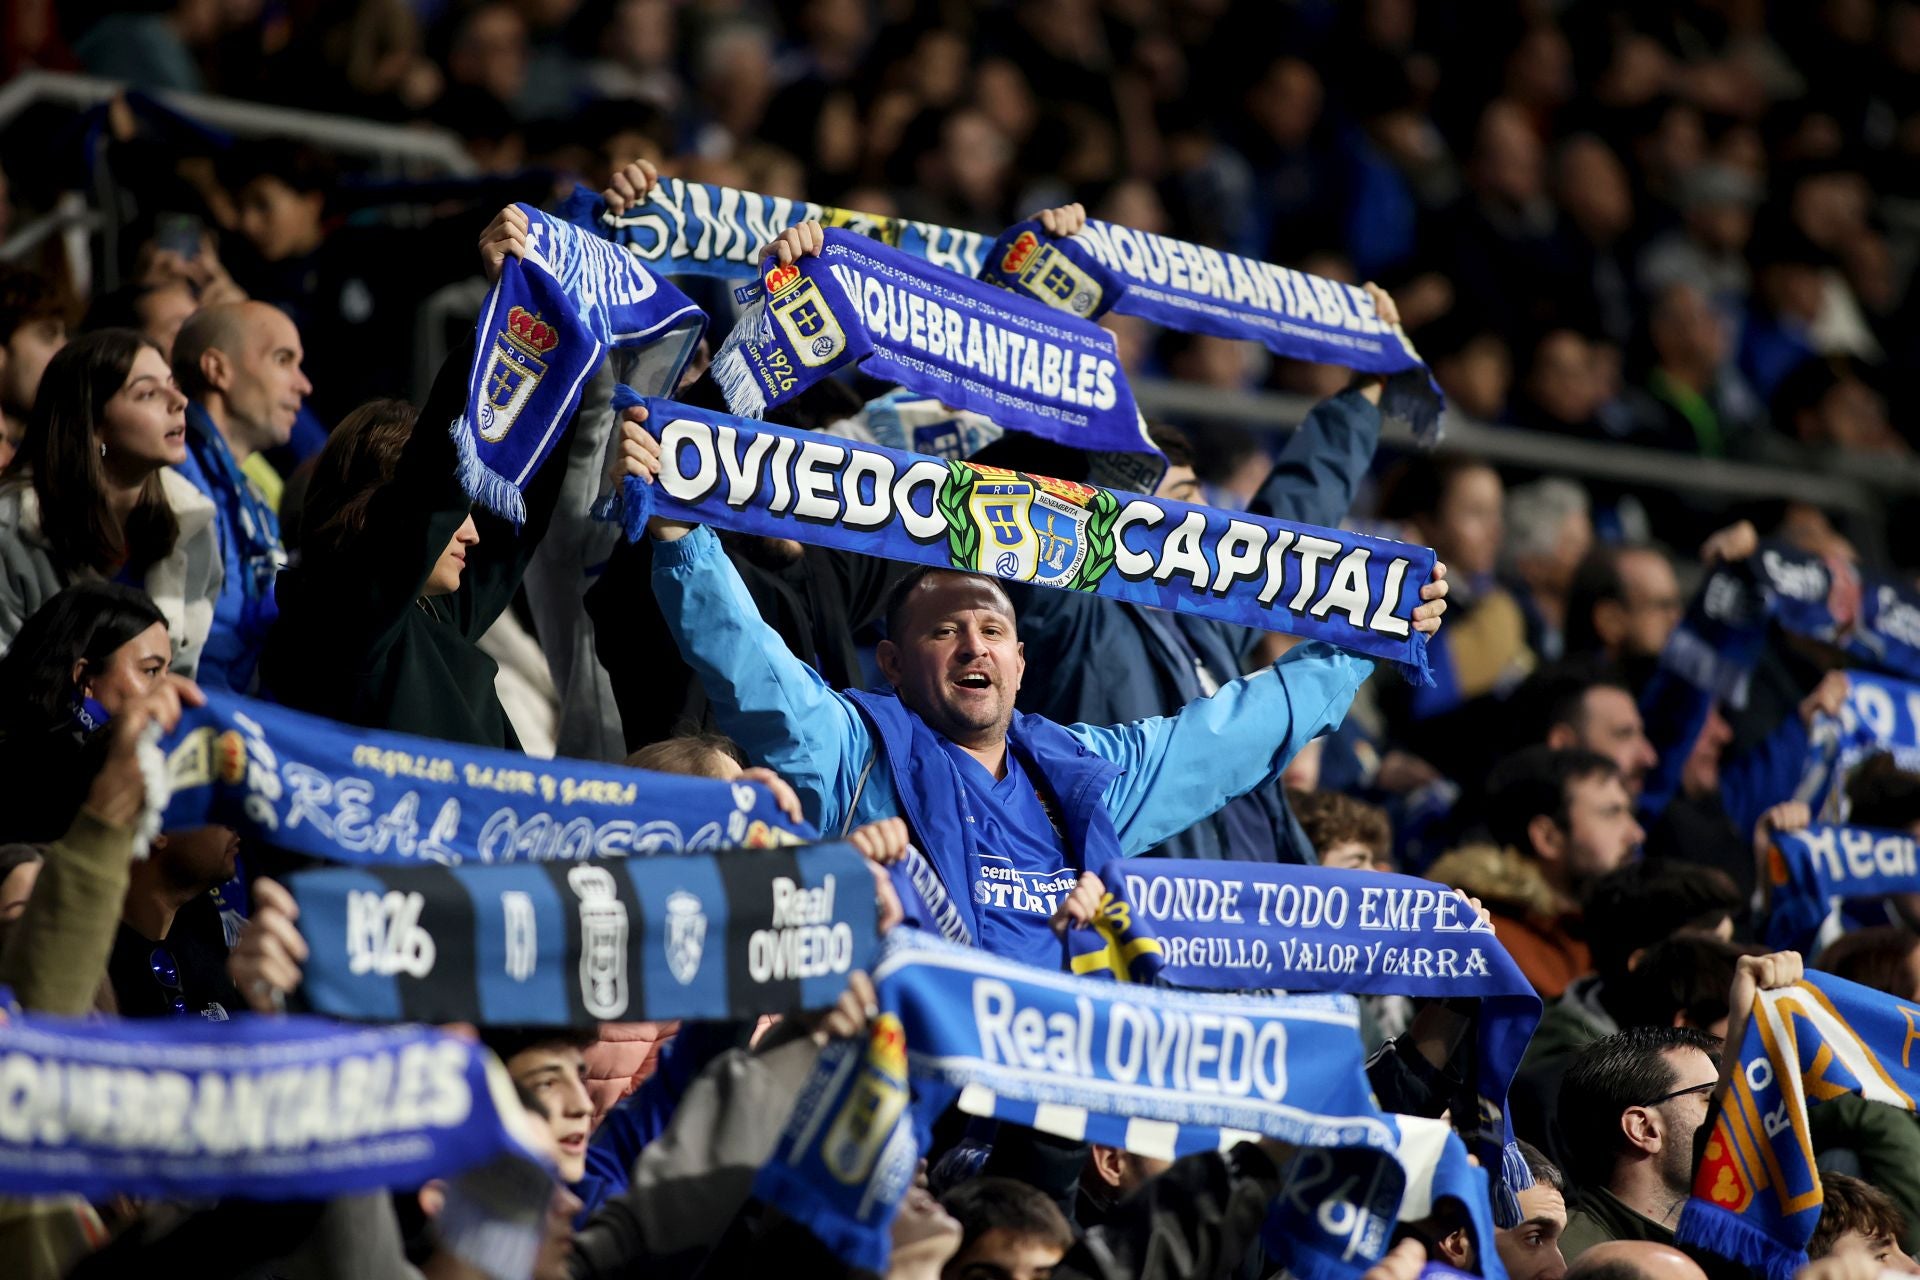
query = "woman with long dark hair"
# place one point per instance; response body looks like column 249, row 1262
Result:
column 89, row 651
column 93, row 494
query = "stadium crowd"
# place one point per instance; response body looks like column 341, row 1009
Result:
column 1682, row 226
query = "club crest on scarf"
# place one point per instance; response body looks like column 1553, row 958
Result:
column 686, row 935
column 514, row 371
column 1042, row 270
column 1351, row 589
column 794, row 303
column 603, row 942
column 1027, row 528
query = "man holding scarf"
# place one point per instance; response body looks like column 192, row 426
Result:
column 1016, row 814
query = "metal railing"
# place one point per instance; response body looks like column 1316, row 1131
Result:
column 1840, row 483
column 394, row 144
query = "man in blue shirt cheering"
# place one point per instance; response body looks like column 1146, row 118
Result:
column 1013, row 811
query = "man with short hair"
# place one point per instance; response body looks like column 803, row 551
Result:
column 1586, row 706
column 33, row 328
column 1530, row 1249
column 1624, row 602
column 1560, row 820
column 1011, row 809
column 1629, row 1111
column 1009, row 1231
column 239, row 366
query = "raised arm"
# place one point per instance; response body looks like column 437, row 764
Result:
column 1178, row 769
column 774, row 705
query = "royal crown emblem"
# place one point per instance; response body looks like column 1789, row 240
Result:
column 781, row 278
column 514, row 369
column 529, row 332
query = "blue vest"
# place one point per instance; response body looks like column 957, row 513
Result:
column 1070, row 777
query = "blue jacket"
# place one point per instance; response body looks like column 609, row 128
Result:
column 250, row 549
column 1111, row 662
column 1166, row 772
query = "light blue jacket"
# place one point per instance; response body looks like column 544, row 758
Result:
column 1174, row 770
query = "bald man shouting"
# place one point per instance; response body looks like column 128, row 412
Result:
column 239, row 366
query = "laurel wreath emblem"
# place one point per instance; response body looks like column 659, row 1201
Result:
column 1103, row 511
column 963, row 536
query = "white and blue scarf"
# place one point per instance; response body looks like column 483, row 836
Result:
column 1757, row 1193
column 1020, row 364
column 1157, row 1072
column 697, row 229
column 1197, row 289
column 1245, row 927
column 1350, row 589
column 1811, row 872
column 267, row 1108
column 1881, row 714
column 540, row 336
column 345, row 794
column 687, row 228
column 747, row 933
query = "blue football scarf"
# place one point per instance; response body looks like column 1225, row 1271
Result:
column 1756, row 1194
column 268, row 1108
column 694, row 228
column 924, row 901
column 1337, row 1209
column 1017, row 362
column 1881, row 714
column 1201, row 290
column 540, row 336
column 1810, row 871
column 742, row 934
column 307, row 785
column 1352, row 590
column 1248, row 927
column 1158, row 1072
column 1724, row 631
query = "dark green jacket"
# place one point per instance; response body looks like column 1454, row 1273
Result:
column 1597, row 1216
column 356, row 640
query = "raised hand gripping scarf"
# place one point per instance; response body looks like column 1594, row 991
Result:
column 1880, row 714
column 1201, row 290
column 1246, row 927
column 737, row 935
column 1810, row 872
column 1757, row 1194
column 1019, row 363
column 267, row 1108
column 540, row 336
column 1163, row 1073
column 308, row 785
column 1350, row 589
column 695, row 228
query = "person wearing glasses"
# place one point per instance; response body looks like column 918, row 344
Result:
column 1632, row 1106
column 1629, row 1109
column 170, row 952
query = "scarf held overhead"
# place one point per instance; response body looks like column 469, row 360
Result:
column 1157, row 1072
column 1196, row 289
column 1248, row 927
column 539, row 337
column 268, row 1108
column 697, row 229
column 1349, row 589
column 1810, row 871
column 311, row 786
column 1757, row 1194
column 1018, row 363
column 746, row 933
